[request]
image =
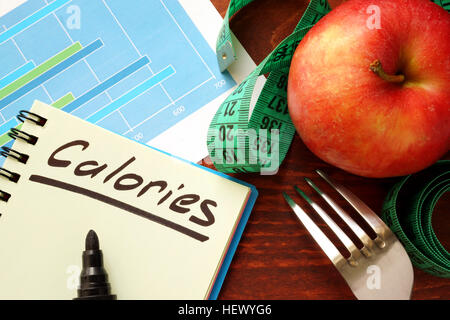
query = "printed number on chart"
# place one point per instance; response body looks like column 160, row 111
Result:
column 219, row 84
column 178, row 110
column 139, row 136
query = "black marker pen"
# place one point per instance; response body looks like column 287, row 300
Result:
column 93, row 278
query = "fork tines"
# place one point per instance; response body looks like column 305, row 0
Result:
column 327, row 246
column 382, row 253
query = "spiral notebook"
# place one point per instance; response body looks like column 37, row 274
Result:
column 168, row 228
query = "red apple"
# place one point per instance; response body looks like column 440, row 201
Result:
column 373, row 96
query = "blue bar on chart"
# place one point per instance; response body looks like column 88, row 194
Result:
column 105, row 85
column 132, row 94
column 51, row 73
column 16, row 74
column 4, row 128
column 35, row 17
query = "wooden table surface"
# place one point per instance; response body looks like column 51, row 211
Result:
column 277, row 258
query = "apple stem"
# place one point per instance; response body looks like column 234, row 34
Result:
column 378, row 70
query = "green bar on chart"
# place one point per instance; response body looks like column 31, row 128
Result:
column 61, row 102
column 50, row 63
column 5, row 138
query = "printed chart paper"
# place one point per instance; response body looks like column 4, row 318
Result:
column 142, row 69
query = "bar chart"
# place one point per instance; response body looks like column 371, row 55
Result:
column 128, row 66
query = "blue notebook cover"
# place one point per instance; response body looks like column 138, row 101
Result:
column 237, row 237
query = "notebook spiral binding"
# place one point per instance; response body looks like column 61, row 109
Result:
column 19, row 156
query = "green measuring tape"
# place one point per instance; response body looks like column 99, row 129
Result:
column 408, row 210
column 443, row 3
column 238, row 141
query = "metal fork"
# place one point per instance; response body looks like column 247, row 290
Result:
column 381, row 268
